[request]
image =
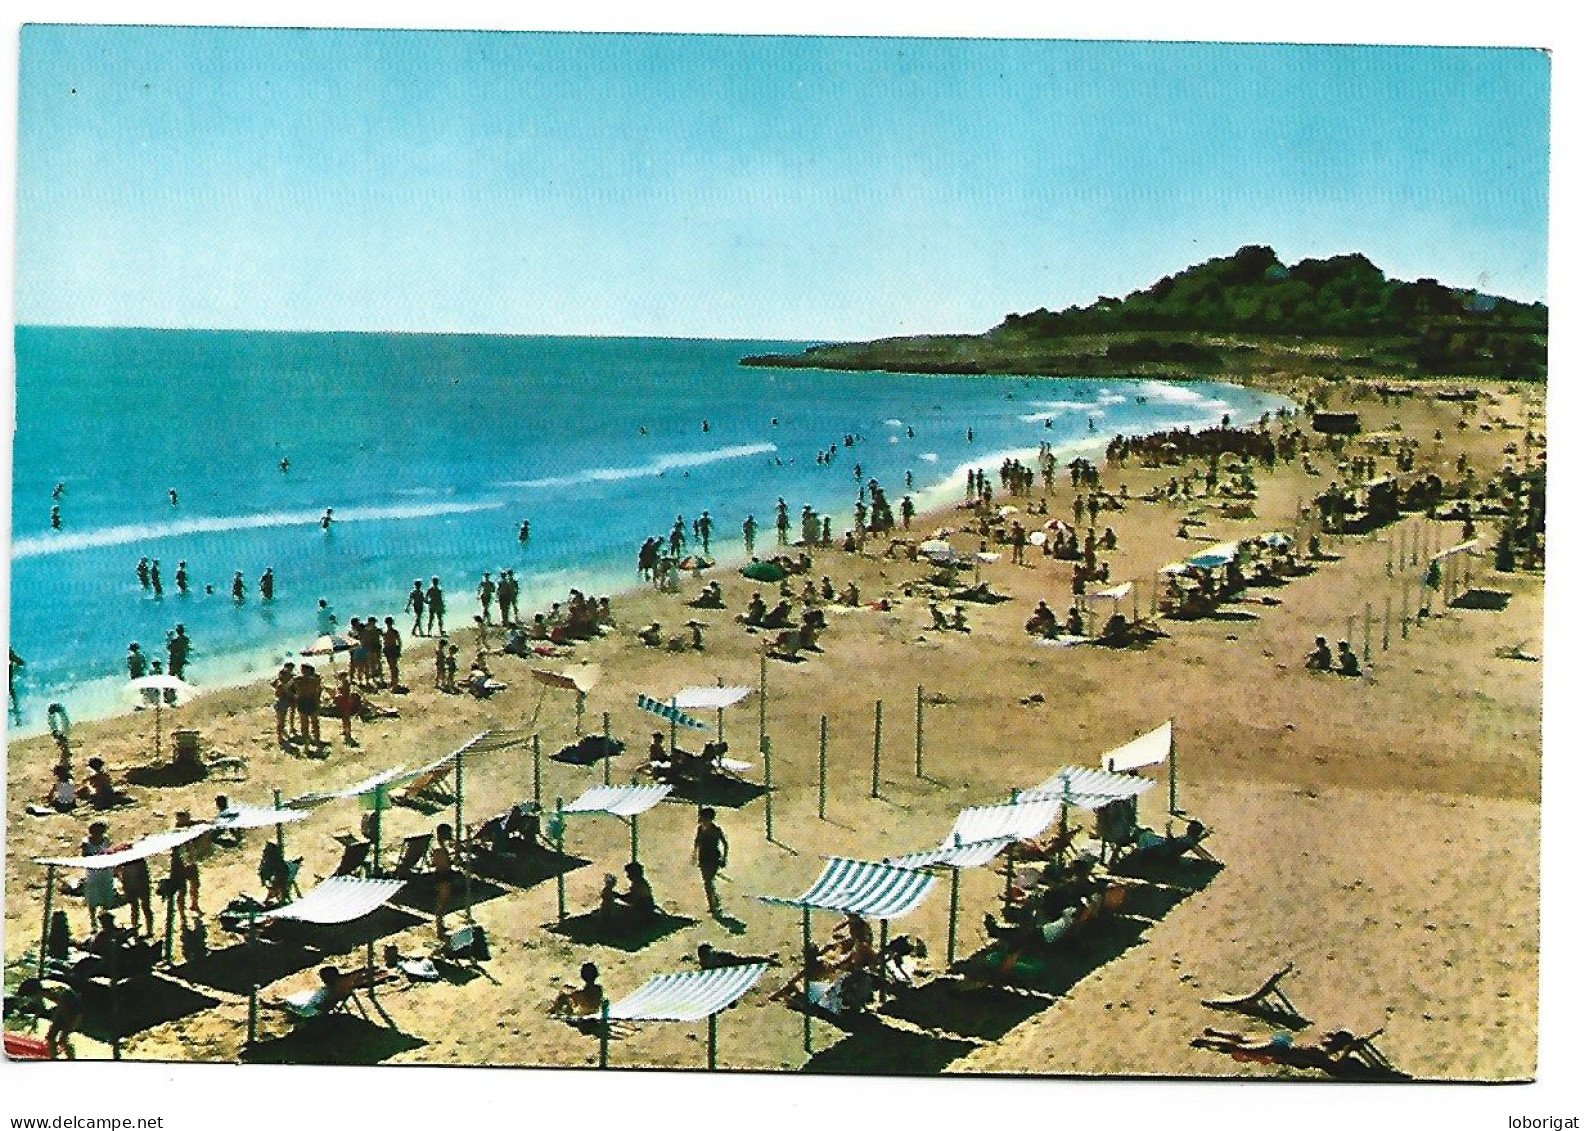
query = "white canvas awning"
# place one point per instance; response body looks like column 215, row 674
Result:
column 880, row 891
column 1080, row 787
column 619, row 800
column 710, row 698
column 1021, row 820
column 139, row 850
column 257, row 817
column 340, row 899
column 689, row 995
column 1472, row 547
column 1115, row 594
column 1215, row 556
column 1148, row 750
column 953, row 855
column 368, row 785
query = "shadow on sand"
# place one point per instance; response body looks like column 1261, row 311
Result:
column 341, row 1038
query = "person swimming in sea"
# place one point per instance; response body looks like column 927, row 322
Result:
column 285, row 464
column 267, row 584
column 55, row 518
column 326, row 520
column 182, row 578
column 60, row 489
column 524, row 533
column 173, row 493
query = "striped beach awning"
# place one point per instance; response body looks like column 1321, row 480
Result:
column 973, row 855
column 689, row 995
column 1020, row 820
column 368, row 785
column 139, row 850
column 709, row 698
column 1215, row 556
column 619, row 800
column 880, row 891
column 1082, row 788
column 1148, row 750
column 257, row 817
column 669, row 712
column 340, row 899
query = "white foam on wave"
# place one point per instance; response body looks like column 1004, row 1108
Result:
column 894, row 422
column 671, row 461
column 53, row 543
column 929, row 457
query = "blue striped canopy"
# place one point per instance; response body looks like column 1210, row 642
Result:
column 880, row 891
column 689, row 995
column 670, row 712
column 972, row 855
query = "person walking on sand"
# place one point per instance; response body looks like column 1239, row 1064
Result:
column 392, row 649
column 416, row 605
column 441, row 867
column 435, row 607
column 281, row 686
column 487, row 592
column 504, row 595
column 750, row 533
column 711, row 856
column 783, row 522
column 441, row 663
column 676, row 537
column 306, row 692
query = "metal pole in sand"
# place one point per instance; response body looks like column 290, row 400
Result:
column 1368, row 633
column 1009, row 866
column 605, row 1021
column 1384, row 642
column 171, row 911
column 805, row 977
column 711, row 1043
column 1390, row 555
column 673, row 726
column 1405, row 586
column 720, row 714
column 634, row 831
column 954, row 903
column 579, row 715
column 1351, row 627
column 606, row 748
column 920, row 702
column 49, row 899
column 535, row 748
column 761, row 707
column 1174, row 808
column 253, row 1012
column 822, row 769
column 877, row 750
column 281, row 826
column 562, row 893
column 766, row 780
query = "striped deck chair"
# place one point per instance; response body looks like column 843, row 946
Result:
column 413, row 855
column 355, row 858
column 434, row 784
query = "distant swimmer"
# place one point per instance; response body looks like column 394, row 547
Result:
column 970, row 435
column 182, row 578
column 267, row 584
column 775, row 422
column 143, row 572
column 238, row 588
column 173, row 494
column 55, row 518
column 326, row 520
column 1048, row 422
column 154, row 577
column 910, row 433
column 285, row 464
column 706, row 426
column 910, row 481
column 524, row 533
column 60, row 489
column 1092, row 425
column 643, row 431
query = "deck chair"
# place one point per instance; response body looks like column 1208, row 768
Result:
column 434, row 782
column 413, row 856
column 311, row 1005
column 355, row 856
column 1268, row 1001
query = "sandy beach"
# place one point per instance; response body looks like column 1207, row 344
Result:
column 1381, row 833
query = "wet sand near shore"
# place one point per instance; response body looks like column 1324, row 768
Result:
column 1382, row 834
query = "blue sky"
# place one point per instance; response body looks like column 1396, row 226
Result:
column 738, row 187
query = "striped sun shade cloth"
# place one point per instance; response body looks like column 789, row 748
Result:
column 619, row 800
column 982, row 832
column 375, row 781
column 669, row 712
column 139, row 850
column 340, row 899
column 880, row 891
column 689, row 995
column 257, row 817
column 1082, row 788
column 1148, row 750
column 710, row 698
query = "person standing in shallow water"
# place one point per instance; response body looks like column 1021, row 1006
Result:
column 436, row 607
column 177, row 647
column 267, row 584
column 486, row 591
column 524, row 533
column 182, row 578
column 143, row 573
column 154, row 578
column 238, row 588
column 416, row 605
column 137, row 662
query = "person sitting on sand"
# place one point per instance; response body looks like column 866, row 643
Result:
column 335, row 987
column 1319, row 659
column 609, row 907
column 852, row 946
column 62, row 794
column 779, row 617
column 1346, row 660
column 958, row 620
column 638, row 903
column 481, row 683
column 651, row 636
column 275, row 874
column 1073, row 624
column 807, row 636
column 583, row 1000
column 939, row 621
column 820, row 974
column 517, row 643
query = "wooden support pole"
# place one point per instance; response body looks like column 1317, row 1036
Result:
column 805, row 975
column 535, row 748
column 606, row 748
column 1368, row 633
column 822, row 769
column 711, row 1043
column 920, row 705
column 1384, row 641
column 606, row 1021
column 49, row 900
column 558, row 829
column 766, row 780
column 877, row 750
column 634, row 839
column 579, row 715
column 253, row 1013
column 954, row 908
column 281, row 826
column 761, row 705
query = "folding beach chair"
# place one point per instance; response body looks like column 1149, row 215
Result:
column 413, row 855
column 1268, row 1000
column 355, row 856
column 435, row 784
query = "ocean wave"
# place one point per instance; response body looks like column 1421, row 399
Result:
column 671, row 461
column 44, row 544
column 894, row 422
column 929, row 457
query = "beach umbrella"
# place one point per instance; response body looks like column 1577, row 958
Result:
column 763, row 571
column 161, row 691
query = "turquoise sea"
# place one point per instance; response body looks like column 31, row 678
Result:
column 431, row 450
